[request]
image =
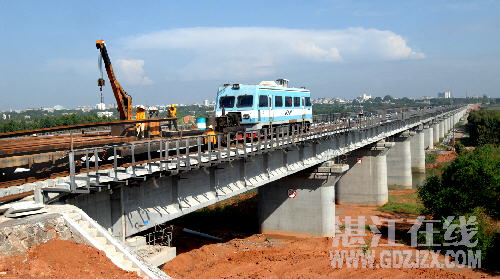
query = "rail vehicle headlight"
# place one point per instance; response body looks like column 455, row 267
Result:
column 246, row 116
column 236, row 86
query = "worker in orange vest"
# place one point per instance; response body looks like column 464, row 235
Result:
column 172, row 112
column 140, row 114
column 211, row 139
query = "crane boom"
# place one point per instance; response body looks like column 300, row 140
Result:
column 123, row 100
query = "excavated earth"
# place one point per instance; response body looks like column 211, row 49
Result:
column 61, row 259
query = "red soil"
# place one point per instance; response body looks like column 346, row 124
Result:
column 61, row 259
column 271, row 256
column 443, row 158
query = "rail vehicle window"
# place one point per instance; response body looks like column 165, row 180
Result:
column 288, row 101
column 308, row 101
column 296, row 101
column 263, row 101
column 278, row 101
column 226, row 102
column 245, row 101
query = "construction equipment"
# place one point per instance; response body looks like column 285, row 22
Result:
column 123, row 100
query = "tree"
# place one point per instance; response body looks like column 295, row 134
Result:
column 484, row 127
column 388, row 98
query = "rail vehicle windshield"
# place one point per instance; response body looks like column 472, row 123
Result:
column 245, row 101
column 226, row 102
column 308, row 101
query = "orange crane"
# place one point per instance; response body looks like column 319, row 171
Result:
column 123, row 100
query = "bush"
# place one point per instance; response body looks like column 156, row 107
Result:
column 484, row 127
column 459, row 148
column 471, row 180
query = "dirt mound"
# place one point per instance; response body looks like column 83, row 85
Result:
column 61, row 259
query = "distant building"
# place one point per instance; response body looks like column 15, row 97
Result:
column 85, row 108
column 444, row 95
column 104, row 113
column 365, row 97
column 100, row 106
column 206, row 103
column 58, row 107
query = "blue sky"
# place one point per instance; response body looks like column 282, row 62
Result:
column 181, row 51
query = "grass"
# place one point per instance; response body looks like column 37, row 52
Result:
column 430, row 158
column 492, row 107
column 408, row 203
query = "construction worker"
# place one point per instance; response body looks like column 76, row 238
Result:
column 140, row 114
column 172, row 112
column 211, row 139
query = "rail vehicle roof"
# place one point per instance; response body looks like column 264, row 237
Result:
column 240, row 89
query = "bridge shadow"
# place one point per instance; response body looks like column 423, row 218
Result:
column 236, row 217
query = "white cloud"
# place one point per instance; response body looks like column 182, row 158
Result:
column 132, row 72
column 240, row 52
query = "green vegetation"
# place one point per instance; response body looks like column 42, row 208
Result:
column 484, row 127
column 37, row 119
column 50, row 121
column 408, row 203
column 430, row 158
column 469, row 186
column 471, row 180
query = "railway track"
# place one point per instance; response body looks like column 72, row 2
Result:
column 9, row 147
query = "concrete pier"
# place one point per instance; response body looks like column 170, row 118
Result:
column 299, row 204
column 399, row 163
column 441, row 129
column 435, row 128
column 428, row 137
column 366, row 181
column 417, row 147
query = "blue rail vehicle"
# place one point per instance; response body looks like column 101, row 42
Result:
column 266, row 105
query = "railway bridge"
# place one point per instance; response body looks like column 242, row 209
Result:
column 300, row 174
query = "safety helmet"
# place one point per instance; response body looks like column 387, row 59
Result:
column 210, row 127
